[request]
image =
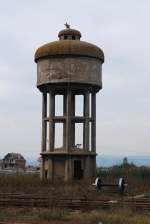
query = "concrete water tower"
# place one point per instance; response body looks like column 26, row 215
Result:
column 69, row 67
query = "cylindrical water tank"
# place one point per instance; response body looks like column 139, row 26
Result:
column 69, row 61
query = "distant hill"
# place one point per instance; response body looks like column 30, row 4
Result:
column 110, row 160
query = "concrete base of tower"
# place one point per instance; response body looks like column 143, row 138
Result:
column 68, row 167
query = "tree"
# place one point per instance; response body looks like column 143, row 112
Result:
column 125, row 161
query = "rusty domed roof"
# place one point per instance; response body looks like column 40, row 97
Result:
column 69, row 48
column 69, row 44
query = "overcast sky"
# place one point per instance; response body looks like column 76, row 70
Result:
column 121, row 28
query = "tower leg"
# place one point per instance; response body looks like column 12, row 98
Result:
column 51, row 122
column 93, row 129
column 44, row 114
column 73, row 123
column 64, row 123
column 86, row 122
column 44, row 132
column 68, row 121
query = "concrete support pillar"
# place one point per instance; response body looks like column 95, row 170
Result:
column 64, row 124
column 50, row 169
column 86, row 123
column 68, row 121
column 73, row 123
column 87, row 170
column 42, row 169
column 51, row 121
column 44, row 115
column 93, row 128
column 66, row 170
column 94, row 167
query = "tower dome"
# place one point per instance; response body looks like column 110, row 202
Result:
column 69, row 60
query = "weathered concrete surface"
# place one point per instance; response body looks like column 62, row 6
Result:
column 72, row 70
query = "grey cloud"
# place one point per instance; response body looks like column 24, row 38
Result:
column 120, row 28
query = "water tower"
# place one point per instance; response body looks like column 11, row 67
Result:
column 69, row 67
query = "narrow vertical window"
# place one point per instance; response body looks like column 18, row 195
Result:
column 58, row 105
column 58, row 135
column 79, row 105
column 78, row 136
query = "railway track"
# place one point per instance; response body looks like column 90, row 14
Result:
column 81, row 203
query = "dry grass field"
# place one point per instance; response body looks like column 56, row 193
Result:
column 45, row 216
column 138, row 180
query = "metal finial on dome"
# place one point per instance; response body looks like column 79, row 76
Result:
column 67, row 25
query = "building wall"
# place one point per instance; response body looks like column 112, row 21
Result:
column 21, row 164
column 59, row 169
column 62, row 168
column 10, row 163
